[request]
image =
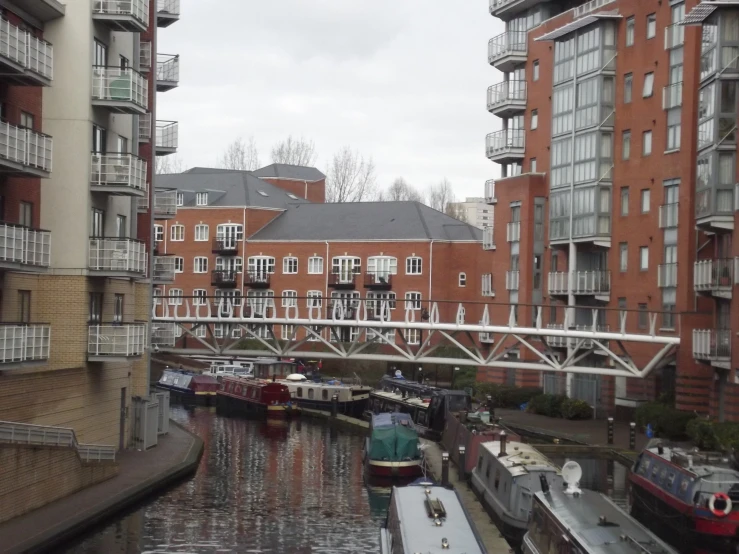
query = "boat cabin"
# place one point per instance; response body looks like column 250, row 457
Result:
column 273, row 369
column 258, row 392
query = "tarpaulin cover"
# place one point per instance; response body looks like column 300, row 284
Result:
column 393, row 444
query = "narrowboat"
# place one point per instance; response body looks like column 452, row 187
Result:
column 574, row 521
column 692, row 495
column 427, row 518
column 221, row 370
column 505, row 477
column 392, row 448
column 189, row 386
column 254, row 396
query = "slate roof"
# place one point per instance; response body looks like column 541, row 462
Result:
column 285, row 171
column 366, row 221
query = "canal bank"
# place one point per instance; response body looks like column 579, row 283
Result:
column 141, row 474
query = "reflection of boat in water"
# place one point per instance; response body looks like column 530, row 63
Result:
column 392, row 448
column 275, row 428
column 254, row 396
column 189, row 386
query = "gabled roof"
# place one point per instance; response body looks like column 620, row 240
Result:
column 286, row 171
column 366, row 221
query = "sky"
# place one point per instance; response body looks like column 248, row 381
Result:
column 402, row 81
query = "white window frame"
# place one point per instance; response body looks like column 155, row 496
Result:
column 251, row 264
column 645, row 200
column 412, row 336
column 158, row 233
column 413, row 300
column 651, row 25
column 156, row 293
column 354, row 262
column 175, row 297
column 630, row 28
column 201, row 198
column 318, row 331
column 462, row 279
column 179, row 262
column 234, row 295
column 534, row 119
column 230, row 263
column 648, row 87
column 623, row 257
column 180, row 199
column 315, row 298
column 392, row 265
column 176, row 236
column 535, row 71
column 288, row 261
column 199, row 297
column 201, row 331
column 643, row 258
column 314, row 261
column 200, row 264
column 202, row 231
column 409, row 265
column 646, row 143
column 375, row 301
column 286, row 331
column 289, row 298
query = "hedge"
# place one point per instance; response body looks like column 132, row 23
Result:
column 712, row 435
column 666, row 421
column 554, row 405
column 506, row 396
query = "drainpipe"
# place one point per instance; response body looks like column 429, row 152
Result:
column 325, row 294
column 243, row 254
column 431, row 269
column 305, row 195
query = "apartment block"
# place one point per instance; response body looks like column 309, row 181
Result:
column 618, row 138
column 475, row 211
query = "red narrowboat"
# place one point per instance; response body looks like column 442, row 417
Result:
column 255, row 396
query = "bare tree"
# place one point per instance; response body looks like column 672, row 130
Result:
column 457, row 212
column 168, row 164
column 400, row 190
column 440, row 195
column 240, row 154
column 350, row 178
column 295, row 152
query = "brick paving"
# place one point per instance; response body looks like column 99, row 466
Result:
column 141, row 473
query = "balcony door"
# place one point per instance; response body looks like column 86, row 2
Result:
column 261, row 266
column 381, row 267
column 99, row 139
column 98, row 223
column 346, row 267
column 229, row 235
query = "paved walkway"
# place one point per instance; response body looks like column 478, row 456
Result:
column 141, row 473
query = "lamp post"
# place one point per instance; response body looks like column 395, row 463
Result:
column 454, row 375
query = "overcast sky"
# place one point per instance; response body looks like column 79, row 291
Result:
column 403, row 81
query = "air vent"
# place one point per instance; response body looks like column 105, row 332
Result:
column 434, row 507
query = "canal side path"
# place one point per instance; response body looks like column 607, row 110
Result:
column 141, row 473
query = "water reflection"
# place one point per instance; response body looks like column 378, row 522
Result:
column 278, row 487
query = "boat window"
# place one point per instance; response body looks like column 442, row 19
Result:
column 655, row 470
column 324, row 393
column 300, row 392
column 663, row 476
column 479, row 463
column 497, row 478
column 310, row 393
column 684, row 486
column 670, row 480
column 487, row 470
column 644, row 466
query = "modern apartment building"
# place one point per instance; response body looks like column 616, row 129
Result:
column 617, row 152
column 78, row 86
column 475, row 211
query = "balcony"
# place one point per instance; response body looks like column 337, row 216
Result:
column 490, row 192
column 512, row 280
column 228, row 245
column 44, row 10
column 167, row 138
column 715, row 277
column 713, row 345
column 672, row 96
column 668, row 215
column 145, row 56
column 257, row 279
column 488, row 290
column 168, row 72
column 165, row 203
column 25, row 59
column 584, row 283
column 714, row 208
column 513, row 231
column 223, row 278
column 121, row 174
column 507, row 50
column 145, row 127
column 488, row 238
column 505, row 146
column 505, row 9
column 667, row 275
column 117, row 257
column 24, row 248
column 168, row 11
column 116, row 342
column 122, row 15
column 120, row 90
column 24, row 152
column 378, row 280
column 674, row 36
column 163, row 271
column 23, row 344
column 342, row 280
column 507, row 98
column 562, row 342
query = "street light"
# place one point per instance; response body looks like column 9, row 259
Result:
column 420, row 375
column 454, row 374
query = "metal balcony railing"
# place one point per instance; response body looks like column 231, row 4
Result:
column 713, row 275
column 225, row 244
column 505, row 44
column 117, row 255
column 711, row 344
column 145, row 127
column 589, row 7
column 164, row 267
column 25, row 246
column 512, row 280
column 488, row 238
column 668, row 215
column 45, row 435
column 168, row 71
column 667, row 275
column 25, row 147
column 119, row 340
column 145, row 56
column 119, row 172
column 26, row 53
column 223, row 278
column 342, row 279
column 167, row 135
column 557, row 282
column 513, row 231
column 24, row 342
column 490, row 192
column 168, row 11
column 496, row 5
column 674, row 36
column 258, row 278
column 672, row 96
column 505, row 141
column 487, row 285
column 505, row 92
column 121, row 10
column 584, row 282
column 378, row 280
column 116, row 85
column 165, row 203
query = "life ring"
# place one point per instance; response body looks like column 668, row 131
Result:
column 721, row 497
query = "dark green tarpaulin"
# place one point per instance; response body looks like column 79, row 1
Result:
column 393, row 444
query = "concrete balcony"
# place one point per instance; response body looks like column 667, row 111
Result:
column 672, row 96
column 25, row 59
column 117, row 257
column 168, row 72
column 168, row 12
column 564, row 342
column 23, row 248
column 23, row 152
column 165, row 203
column 667, row 275
column 713, row 345
column 120, row 90
column 490, row 192
column 120, row 174
column 488, row 290
column 163, row 271
column 223, row 279
column 507, row 50
column 507, row 98
column 145, row 56
column 513, row 231
column 44, row 10
column 167, row 137
column 714, row 277
column 488, row 238
column 23, row 344
column 584, row 283
column 506, row 146
column 668, row 215
column 122, row 15
column 674, row 36
column 116, row 342
column 512, row 279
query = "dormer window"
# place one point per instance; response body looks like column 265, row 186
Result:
column 180, row 199
column 201, row 199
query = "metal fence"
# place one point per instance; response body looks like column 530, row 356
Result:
column 117, row 340
column 22, row 48
column 138, row 9
column 20, row 342
column 23, row 245
column 26, row 147
column 117, row 255
column 40, row 435
column 113, row 84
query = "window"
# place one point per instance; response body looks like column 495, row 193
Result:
column 233, row 297
column 235, row 264
column 179, row 264
column 532, row 166
column 289, row 298
column 199, row 297
column 651, row 25
column 642, row 316
column 260, row 265
column 674, row 120
column 645, row 197
column 180, row 199
column 200, row 265
column 287, row 332
column 315, row 298
column 27, row 120
column 412, row 300
column 623, row 256
column 536, row 70
column 118, row 308
column 626, row 145
column 99, row 139
column 100, row 54
column 534, row 119
column 462, row 279
column 201, row 199
column 201, row 332
column 413, row 265
column 413, row 336
column 624, row 201
column 630, row 31
column 382, row 266
column 175, row 297
column 289, row 265
column 646, row 145
column 648, row 89
column 96, row 305
column 177, row 233
column 98, row 223
column 628, row 83
column 123, row 62
column 25, row 214
column 315, row 265
column 643, row 258
column 158, row 233
column 201, row 232
column 120, row 226
column 122, row 145
column 24, row 306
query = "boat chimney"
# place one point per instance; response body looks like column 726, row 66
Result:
column 404, row 393
column 544, row 483
column 502, row 444
column 660, row 449
column 690, row 462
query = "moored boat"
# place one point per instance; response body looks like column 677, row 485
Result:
column 255, row 396
column 189, row 386
column 392, row 448
column 428, row 518
column 222, row 370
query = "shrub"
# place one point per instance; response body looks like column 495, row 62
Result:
column 506, row 396
column 711, row 435
column 666, row 421
column 576, row 409
column 547, row 405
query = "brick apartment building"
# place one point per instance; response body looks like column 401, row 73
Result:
column 251, row 234
column 77, row 92
column 618, row 190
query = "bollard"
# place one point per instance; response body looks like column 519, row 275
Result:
column 610, row 430
column 334, row 405
column 632, row 436
column 462, row 465
column 445, row 469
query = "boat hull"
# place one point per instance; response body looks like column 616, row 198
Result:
column 512, row 530
column 352, row 408
column 189, row 396
column 247, row 407
column 380, row 468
